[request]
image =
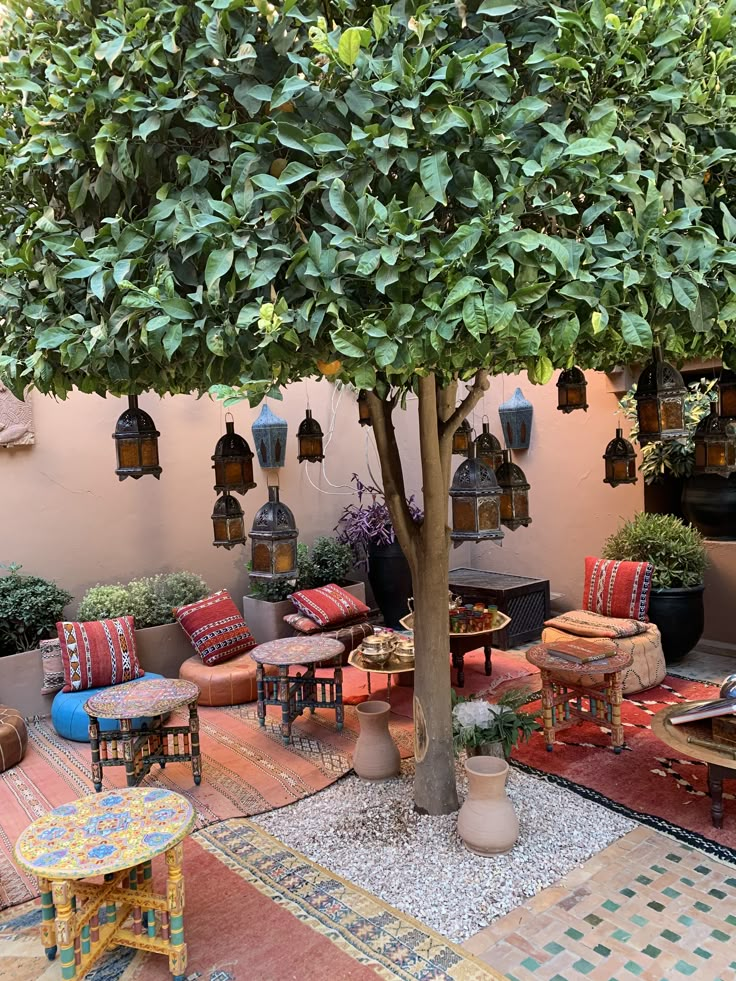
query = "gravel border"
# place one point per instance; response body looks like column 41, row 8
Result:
column 369, row 834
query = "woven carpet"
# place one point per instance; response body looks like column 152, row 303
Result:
column 258, row 911
column 649, row 780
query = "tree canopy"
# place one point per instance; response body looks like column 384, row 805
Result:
column 233, row 192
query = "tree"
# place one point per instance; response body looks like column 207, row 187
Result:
column 229, row 194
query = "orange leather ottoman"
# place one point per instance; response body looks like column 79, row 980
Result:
column 231, row 683
column 13, row 737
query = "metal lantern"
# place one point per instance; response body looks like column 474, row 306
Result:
column 715, row 444
column 475, row 509
column 136, row 443
column 233, row 462
column 727, row 394
column 660, row 402
column 227, row 522
column 488, row 449
column 516, row 421
column 514, row 494
column 462, row 438
column 364, row 410
column 310, row 438
column 620, row 458
column 269, row 436
column 273, row 540
column 572, row 390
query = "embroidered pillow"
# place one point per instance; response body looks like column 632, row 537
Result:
column 583, row 623
column 329, row 605
column 52, row 666
column 98, row 653
column 215, row 628
column 617, row 589
column 302, row 624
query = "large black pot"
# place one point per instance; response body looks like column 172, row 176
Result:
column 680, row 616
column 390, row 579
column 709, row 503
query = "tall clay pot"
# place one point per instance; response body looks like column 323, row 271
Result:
column 487, row 822
column 376, row 755
column 390, row 579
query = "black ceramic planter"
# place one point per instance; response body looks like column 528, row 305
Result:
column 390, row 579
column 680, row 616
column 709, row 503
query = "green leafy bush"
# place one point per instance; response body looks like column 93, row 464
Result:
column 329, row 560
column 29, row 610
column 149, row 599
column 676, row 550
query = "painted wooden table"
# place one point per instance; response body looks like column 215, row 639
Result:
column 115, row 835
column 137, row 749
column 567, row 686
column 462, row 644
column 392, row 669
column 296, row 692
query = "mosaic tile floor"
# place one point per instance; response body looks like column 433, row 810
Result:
column 646, row 907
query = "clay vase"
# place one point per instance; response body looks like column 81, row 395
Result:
column 487, row 822
column 376, row 755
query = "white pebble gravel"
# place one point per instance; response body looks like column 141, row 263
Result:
column 369, row 834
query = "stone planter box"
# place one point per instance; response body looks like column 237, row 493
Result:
column 266, row 620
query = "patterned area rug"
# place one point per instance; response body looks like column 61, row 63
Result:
column 649, row 781
column 258, row 911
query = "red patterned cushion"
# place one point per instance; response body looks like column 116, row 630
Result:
column 329, row 605
column 302, row 624
column 584, row 623
column 215, row 628
column 617, row 589
column 98, row 653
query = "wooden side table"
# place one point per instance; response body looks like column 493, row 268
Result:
column 114, row 835
column 564, row 694
column 393, row 669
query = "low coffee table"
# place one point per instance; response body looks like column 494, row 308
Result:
column 296, row 692
column 143, row 747
column 114, row 835
column 393, row 668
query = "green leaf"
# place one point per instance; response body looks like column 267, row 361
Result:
column 348, row 47
column 587, row 147
column 543, row 370
column 435, row 175
column 172, row 339
column 327, row 143
column 381, row 20
column 218, row 265
column 294, row 172
column 149, row 125
column 343, row 203
column 53, row 337
column 386, row 352
column 497, row 8
column 77, row 193
column 79, row 269
column 635, row 330
column 347, row 344
column 110, row 50
column 685, row 292
column 729, row 223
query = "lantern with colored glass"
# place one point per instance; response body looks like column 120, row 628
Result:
column 364, row 410
column 269, row 436
column 462, row 438
column 660, row 402
column 233, row 462
column 488, row 449
column 516, row 415
column 475, row 510
column 273, row 540
column 136, row 443
column 514, row 494
column 715, row 444
column 620, row 458
column 727, row 394
column 572, row 390
column 310, row 438
column 227, row 522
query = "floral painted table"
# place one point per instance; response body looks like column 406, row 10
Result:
column 137, row 749
column 297, row 692
column 115, row 835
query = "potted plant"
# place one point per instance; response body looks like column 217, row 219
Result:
column 29, row 610
column 678, row 554
column 484, row 728
column 367, row 528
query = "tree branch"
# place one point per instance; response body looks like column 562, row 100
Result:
column 481, row 384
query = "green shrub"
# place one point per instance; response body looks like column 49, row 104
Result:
column 676, row 550
column 149, row 599
column 29, row 610
column 104, row 602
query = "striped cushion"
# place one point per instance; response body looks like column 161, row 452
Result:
column 98, row 653
column 52, row 665
column 617, row 589
column 215, row 628
column 328, row 606
column 584, row 623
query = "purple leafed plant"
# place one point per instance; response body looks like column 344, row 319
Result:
column 369, row 521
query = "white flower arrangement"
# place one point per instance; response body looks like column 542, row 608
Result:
column 476, row 721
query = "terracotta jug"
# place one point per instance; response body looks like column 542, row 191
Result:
column 487, row 822
column 376, row 755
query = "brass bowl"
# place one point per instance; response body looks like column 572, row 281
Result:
column 377, row 657
column 404, row 649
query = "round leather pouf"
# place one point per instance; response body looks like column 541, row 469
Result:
column 72, row 722
column 231, row 682
column 13, row 737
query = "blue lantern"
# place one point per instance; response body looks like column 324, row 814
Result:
column 269, row 436
column 516, row 421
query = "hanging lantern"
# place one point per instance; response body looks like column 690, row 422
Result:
column 475, row 509
column 660, row 402
column 488, row 449
column 136, row 443
column 620, row 458
column 727, row 394
column 227, row 522
column 514, row 494
column 571, row 390
column 516, row 421
column 364, row 410
column 273, row 540
column 233, row 462
column 715, row 444
column 462, row 438
column 310, row 437
column 269, row 436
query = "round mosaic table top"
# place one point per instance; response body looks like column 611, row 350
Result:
column 546, row 659
column 144, row 698
column 104, row 833
column 297, row 650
